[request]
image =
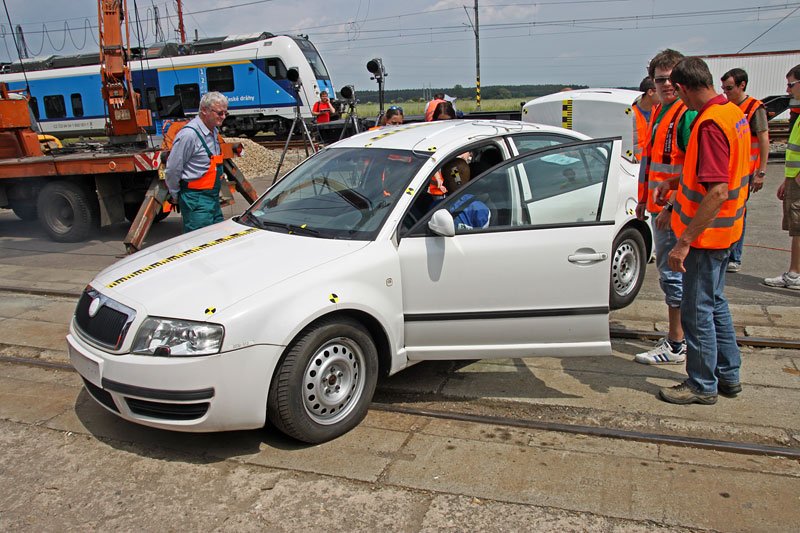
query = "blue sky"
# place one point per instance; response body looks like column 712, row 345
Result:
column 591, row 42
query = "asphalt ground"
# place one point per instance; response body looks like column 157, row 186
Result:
column 486, row 471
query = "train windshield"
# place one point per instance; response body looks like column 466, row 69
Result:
column 313, row 57
column 340, row 193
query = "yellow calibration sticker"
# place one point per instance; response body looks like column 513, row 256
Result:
column 628, row 153
column 410, row 191
column 180, row 255
column 566, row 114
column 334, row 298
column 628, row 111
column 210, row 311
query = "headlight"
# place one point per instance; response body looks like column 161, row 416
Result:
column 181, row 338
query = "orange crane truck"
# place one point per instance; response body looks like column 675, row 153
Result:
column 73, row 189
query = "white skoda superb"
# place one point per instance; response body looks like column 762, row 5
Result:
column 348, row 269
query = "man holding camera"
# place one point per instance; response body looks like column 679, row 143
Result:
column 323, row 109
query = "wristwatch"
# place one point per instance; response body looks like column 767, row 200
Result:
column 761, row 173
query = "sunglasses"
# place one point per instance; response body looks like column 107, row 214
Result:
column 790, row 84
column 661, row 80
column 397, row 108
column 219, row 113
column 728, row 87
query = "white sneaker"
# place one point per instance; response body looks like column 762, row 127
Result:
column 733, row 266
column 784, row 280
column 662, row 354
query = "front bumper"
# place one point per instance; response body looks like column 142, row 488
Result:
column 222, row 392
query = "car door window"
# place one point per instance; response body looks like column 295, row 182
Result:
column 563, row 185
column 529, row 142
column 477, row 159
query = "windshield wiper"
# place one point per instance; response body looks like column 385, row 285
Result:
column 290, row 228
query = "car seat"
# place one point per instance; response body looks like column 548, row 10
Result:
column 485, row 159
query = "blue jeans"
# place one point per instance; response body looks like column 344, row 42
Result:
column 736, row 248
column 671, row 282
column 712, row 352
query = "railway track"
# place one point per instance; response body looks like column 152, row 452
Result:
column 779, row 132
column 728, row 446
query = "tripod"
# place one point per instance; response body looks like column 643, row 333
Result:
column 307, row 139
column 352, row 118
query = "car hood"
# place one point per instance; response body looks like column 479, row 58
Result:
column 200, row 274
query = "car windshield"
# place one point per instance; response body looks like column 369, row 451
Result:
column 340, row 193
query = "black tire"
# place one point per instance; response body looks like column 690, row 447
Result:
column 25, row 211
column 66, row 211
column 324, row 384
column 628, row 265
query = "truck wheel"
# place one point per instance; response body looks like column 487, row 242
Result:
column 66, row 211
column 25, row 211
column 325, row 383
column 628, row 266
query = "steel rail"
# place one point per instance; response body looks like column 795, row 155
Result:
column 602, row 432
column 574, row 429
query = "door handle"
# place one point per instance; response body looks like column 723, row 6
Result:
column 587, row 258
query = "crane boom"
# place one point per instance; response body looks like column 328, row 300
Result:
column 126, row 122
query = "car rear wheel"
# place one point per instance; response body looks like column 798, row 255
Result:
column 324, row 384
column 628, row 266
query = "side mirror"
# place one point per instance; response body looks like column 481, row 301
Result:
column 441, row 223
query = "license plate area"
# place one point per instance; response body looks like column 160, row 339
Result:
column 86, row 367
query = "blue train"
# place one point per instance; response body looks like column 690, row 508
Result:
column 250, row 71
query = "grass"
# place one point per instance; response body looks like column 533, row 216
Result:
column 467, row 106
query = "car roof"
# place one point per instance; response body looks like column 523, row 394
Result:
column 620, row 96
column 432, row 136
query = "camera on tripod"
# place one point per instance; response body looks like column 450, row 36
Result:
column 293, row 75
column 347, row 100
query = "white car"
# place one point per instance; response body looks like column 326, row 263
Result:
column 348, row 269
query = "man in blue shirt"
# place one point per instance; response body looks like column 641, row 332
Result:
column 194, row 167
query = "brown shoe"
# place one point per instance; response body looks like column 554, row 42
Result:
column 685, row 394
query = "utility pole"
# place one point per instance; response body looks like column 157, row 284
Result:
column 476, row 29
column 181, row 27
column 477, row 60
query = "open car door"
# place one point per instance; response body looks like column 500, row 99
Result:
column 518, row 261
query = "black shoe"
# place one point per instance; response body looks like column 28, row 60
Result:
column 730, row 390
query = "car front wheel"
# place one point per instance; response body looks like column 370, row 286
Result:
column 325, row 383
column 628, row 266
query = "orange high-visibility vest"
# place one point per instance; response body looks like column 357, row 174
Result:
column 749, row 106
column 215, row 169
column 641, row 128
column 726, row 228
column 430, row 108
column 662, row 155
